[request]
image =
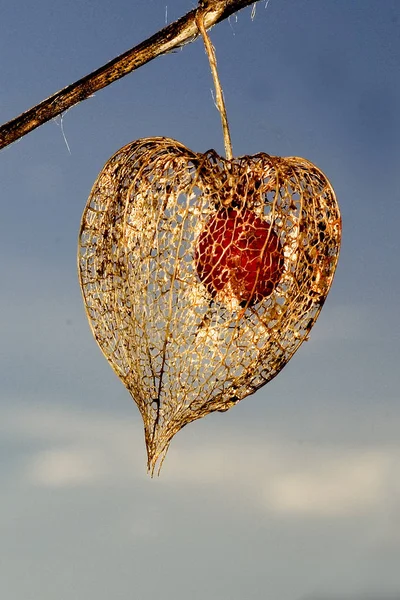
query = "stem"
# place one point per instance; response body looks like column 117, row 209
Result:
column 219, row 94
column 181, row 32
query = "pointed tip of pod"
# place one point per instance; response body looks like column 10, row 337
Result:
column 156, row 454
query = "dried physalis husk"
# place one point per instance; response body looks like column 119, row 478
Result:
column 201, row 276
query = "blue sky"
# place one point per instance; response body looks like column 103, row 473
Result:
column 293, row 494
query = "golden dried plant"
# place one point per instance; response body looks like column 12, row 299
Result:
column 190, row 310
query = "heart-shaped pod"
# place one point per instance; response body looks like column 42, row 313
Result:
column 183, row 347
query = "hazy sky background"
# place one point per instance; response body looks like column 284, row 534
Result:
column 295, row 493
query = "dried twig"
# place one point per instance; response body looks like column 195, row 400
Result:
column 181, row 32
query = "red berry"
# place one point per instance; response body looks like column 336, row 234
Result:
column 239, row 256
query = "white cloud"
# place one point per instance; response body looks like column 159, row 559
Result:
column 344, row 483
column 65, row 467
column 290, row 479
column 273, row 476
column 80, row 448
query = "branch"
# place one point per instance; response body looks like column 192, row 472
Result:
column 173, row 36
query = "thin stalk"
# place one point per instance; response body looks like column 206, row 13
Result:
column 219, row 94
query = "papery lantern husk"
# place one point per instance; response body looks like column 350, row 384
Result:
column 180, row 351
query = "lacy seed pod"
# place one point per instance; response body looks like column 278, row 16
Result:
column 202, row 276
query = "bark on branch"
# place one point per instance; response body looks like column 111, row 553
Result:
column 181, row 32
